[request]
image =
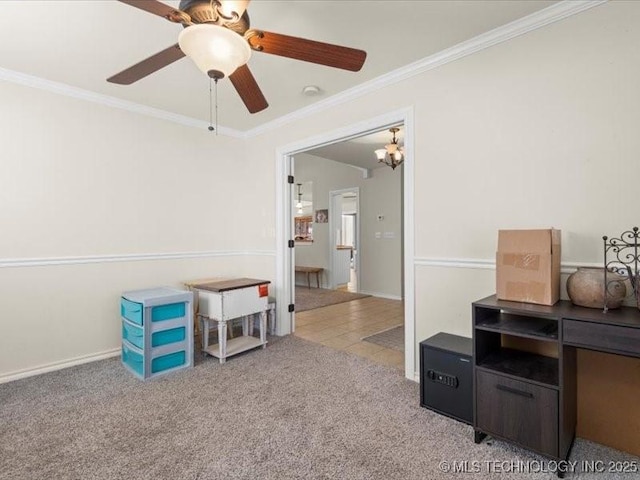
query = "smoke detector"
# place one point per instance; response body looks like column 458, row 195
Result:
column 311, row 91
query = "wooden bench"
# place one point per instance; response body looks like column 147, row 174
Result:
column 308, row 271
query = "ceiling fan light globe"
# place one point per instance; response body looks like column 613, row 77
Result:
column 214, row 48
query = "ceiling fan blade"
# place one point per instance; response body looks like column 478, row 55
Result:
column 248, row 89
column 147, row 66
column 158, row 8
column 309, row 50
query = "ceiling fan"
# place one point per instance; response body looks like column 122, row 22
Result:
column 218, row 38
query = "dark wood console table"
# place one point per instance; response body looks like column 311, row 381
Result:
column 529, row 397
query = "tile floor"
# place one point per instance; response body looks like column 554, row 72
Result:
column 342, row 326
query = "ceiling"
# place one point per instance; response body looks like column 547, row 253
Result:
column 82, row 42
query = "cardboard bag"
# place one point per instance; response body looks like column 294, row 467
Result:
column 528, row 266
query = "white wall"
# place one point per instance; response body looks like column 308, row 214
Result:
column 380, row 259
column 538, row 131
column 83, row 180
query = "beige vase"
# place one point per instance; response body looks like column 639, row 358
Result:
column 586, row 288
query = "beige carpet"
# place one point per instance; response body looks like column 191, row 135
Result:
column 295, row 410
column 391, row 338
column 312, row 298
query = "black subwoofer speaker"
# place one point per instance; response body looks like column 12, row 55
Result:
column 446, row 376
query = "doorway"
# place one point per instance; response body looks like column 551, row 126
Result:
column 344, row 238
column 285, row 275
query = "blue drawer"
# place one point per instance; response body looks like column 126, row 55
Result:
column 135, row 335
column 133, row 359
column 132, row 334
column 132, row 311
column 166, row 362
column 167, row 312
column 168, row 336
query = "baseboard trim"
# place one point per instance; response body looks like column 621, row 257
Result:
column 52, row 367
column 381, row 295
column 127, row 257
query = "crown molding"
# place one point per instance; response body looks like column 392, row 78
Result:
column 546, row 16
column 135, row 257
column 106, row 100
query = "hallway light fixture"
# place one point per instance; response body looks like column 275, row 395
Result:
column 392, row 154
column 299, row 204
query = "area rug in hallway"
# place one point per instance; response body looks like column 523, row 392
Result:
column 391, row 338
column 312, row 298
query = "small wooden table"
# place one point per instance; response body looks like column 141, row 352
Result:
column 226, row 299
column 309, row 271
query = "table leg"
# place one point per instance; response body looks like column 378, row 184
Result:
column 245, row 325
column 263, row 328
column 252, row 318
column 222, row 340
column 272, row 319
column 195, row 311
column 205, row 332
column 318, row 279
column 308, row 280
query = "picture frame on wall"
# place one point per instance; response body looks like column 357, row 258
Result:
column 322, row 216
column 303, row 229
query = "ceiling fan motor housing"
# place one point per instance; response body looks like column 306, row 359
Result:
column 204, row 11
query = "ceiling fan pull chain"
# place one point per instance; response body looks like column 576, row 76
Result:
column 210, row 109
column 216, row 80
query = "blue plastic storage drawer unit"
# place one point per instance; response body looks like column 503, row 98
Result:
column 157, row 331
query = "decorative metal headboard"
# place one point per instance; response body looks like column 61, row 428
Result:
column 622, row 257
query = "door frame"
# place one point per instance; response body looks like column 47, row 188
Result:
column 332, row 232
column 284, row 220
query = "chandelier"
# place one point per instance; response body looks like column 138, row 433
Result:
column 392, row 154
column 299, row 204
